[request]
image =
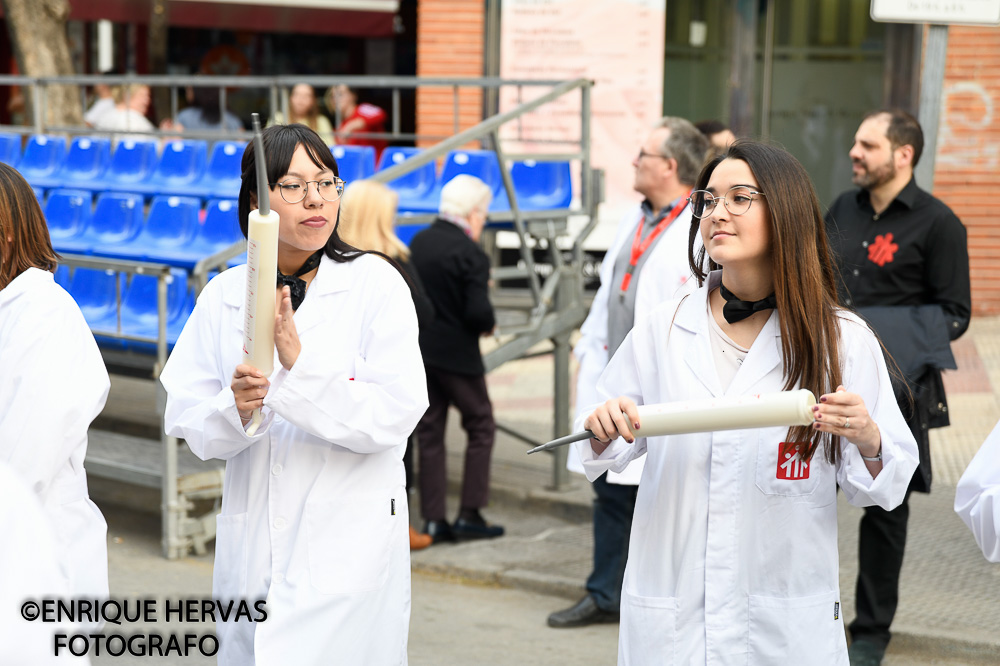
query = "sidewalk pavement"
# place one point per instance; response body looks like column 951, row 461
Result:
column 949, row 594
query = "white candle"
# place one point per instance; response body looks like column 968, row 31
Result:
column 262, row 278
column 754, row 411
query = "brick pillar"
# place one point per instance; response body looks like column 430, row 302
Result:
column 450, row 42
column 968, row 157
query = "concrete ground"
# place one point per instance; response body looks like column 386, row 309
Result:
column 486, row 602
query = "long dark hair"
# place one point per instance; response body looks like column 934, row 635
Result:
column 22, row 222
column 280, row 142
column 803, row 273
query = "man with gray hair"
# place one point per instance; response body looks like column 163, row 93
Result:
column 646, row 265
column 455, row 273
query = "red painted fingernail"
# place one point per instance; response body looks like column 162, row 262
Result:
column 823, row 399
column 636, row 424
column 815, row 408
column 819, row 416
column 816, row 425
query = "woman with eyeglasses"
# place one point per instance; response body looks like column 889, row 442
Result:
column 314, row 517
column 733, row 551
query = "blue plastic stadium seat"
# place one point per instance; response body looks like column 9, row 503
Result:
column 10, row 149
column 95, row 291
column 181, row 166
column 406, row 232
column 68, row 215
column 542, row 185
column 43, row 156
column 62, row 276
column 218, row 230
column 170, row 226
column 117, row 220
column 222, row 178
column 86, row 162
column 354, row 162
column 132, row 163
column 140, row 315
column 415, row 189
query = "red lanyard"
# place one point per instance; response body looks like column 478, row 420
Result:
column 640, row 246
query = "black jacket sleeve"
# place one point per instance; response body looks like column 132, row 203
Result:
column 947, row 274
column 478, row 315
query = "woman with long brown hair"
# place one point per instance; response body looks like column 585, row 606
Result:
column 52, row 385
column 733, row 552
column 303, row 108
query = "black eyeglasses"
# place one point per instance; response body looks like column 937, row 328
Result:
column 643, row 153
column 294, row 190
column 737, row 201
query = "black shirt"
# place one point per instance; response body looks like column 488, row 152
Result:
column 914, row 253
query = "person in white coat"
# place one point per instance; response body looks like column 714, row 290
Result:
column 314, row 515
column 29, row 571
column 733, row 553
column 52, row 385
column 651, row 246
column 977, row 498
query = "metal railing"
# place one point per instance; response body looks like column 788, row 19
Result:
column 556, row 305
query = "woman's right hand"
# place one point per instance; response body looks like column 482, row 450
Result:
column 611, row 420
column 249, row 386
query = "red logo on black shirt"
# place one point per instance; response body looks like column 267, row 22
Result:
column 882, row 250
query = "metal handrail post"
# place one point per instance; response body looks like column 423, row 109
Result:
column 526, row 252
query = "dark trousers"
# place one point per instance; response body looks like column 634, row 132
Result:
column 468, row 393
column 881, row 541
column 613, row 509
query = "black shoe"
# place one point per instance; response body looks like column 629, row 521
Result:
column 865, row 653
column 585, row 612
column 439, row 530
column 471, row 525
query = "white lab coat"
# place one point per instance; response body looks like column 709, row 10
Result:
column 977, row 498
column 664, row 272
column 727, row 563
column 52, row 385
column 314, row 514
column 29, row 570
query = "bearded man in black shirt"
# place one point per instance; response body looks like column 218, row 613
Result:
column 904, row 266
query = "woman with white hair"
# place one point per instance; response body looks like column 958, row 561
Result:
column 455, row 273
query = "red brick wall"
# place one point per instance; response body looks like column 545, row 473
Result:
column 967, row 167
column 450, row 42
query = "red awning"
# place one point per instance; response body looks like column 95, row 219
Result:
column 355, row 18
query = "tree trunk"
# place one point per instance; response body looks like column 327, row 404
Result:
column 38, row 35
column 158, row 56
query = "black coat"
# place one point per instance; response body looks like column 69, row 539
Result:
column 917, row 345
column 455, row 273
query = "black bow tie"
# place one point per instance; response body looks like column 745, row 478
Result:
column 296, row 284
column 736, row 310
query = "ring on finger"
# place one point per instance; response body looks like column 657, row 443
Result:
column 847, row 423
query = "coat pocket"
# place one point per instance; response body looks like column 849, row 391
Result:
column 229, row 581
column 349, row 544
column 648, row 630
column 781, row 472
column 797, row 630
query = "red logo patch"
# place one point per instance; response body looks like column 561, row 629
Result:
column 882, row 250
column 790, row 466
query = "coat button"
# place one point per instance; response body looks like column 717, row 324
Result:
column 279, row 523
column 856, row 272
column 279, row 578
column 864, row 243
column 276, row 470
